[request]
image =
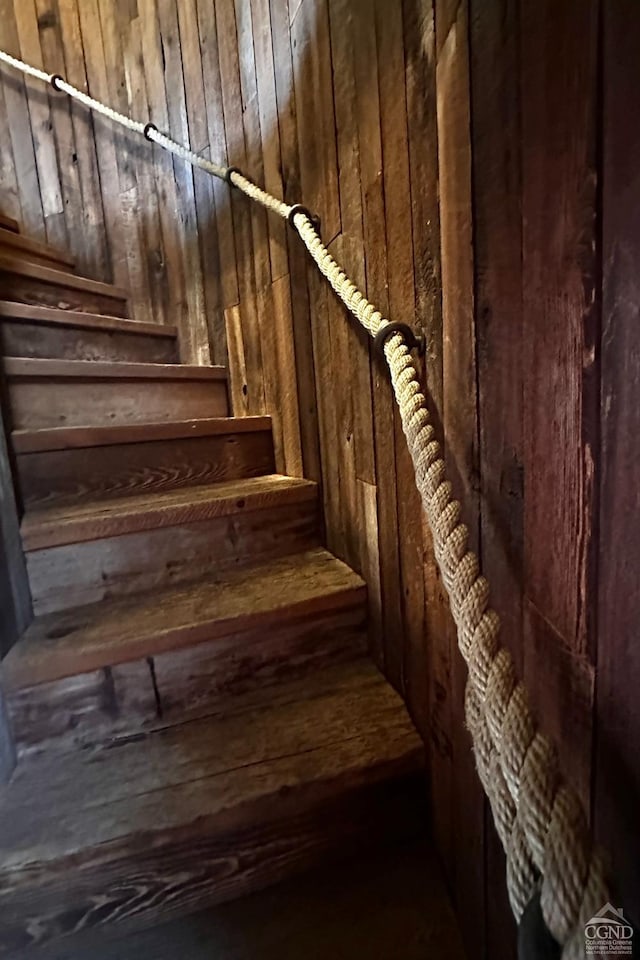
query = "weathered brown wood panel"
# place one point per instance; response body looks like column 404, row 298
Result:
column 496, row 149
column 617, row 757
column 445, row 144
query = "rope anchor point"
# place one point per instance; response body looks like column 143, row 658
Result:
column 412, row 340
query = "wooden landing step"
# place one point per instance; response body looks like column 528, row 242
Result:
column 46, row 393
column 29, row 330
column 33, row 283
column 387, row 904
column 151, row 828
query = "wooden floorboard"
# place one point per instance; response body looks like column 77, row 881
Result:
column 154, row 826
column 391, row 905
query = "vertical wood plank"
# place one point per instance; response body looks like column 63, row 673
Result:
column 311, row 48
column 61, row 132
column 19, row 127
column 290, row 164
column 232, row 104
column 9, row 192
column 40, row 119
column 558, row 143
column 561, row 317
column 96, row 71
column 131, row 210
column 90, row 247
column 460, row 428
column 401, row 290
column 269, row 131
column 428, row 666
column 195, row 339
column 151, row 227
column 207, row 30
column 617, row 763
column 495, row 117
column 204, row 221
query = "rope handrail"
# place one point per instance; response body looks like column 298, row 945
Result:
column 550, row 860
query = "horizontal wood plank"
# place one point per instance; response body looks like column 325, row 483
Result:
column 123, row 565
column 15, row 244
column 27, row 368
column 111, row 518
column 32, row 283
column 69, row 469
column 67, row 438
column 32, row 313
column 99, row 635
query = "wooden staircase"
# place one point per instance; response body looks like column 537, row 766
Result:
column 193, row 706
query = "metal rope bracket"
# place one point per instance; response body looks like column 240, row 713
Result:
column 313, row 218
column 227, row 175
column 412, row 341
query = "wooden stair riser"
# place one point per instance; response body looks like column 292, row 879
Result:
column 223, row 858
column 30, row 283
column 170, row 688
column 39, row 403
column 15, row 245
column 77, row 574
column 36, row 339
column 79, row 474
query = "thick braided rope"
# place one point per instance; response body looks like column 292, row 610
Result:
column 538, row 817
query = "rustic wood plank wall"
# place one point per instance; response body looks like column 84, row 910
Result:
column 456, row 153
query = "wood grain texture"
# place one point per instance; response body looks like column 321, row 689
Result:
column 33, row 339
column 12, row 310
column 67, row 470
column 460, row 427
column 18, row 245
column 107, row 518
column 391, row 902
column 617, row 767
column 116, row 631
column 534, row 109
column 497, row 192
column 15, row 598
column 46, row 394
column 128, row 563
column 325, row 766
column 170, row 688
column 559, row 277
column 84, row 709
column 32, row 283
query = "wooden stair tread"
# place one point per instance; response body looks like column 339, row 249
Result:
column 8, row 223
column 33, row 313
column 25, row 245
column 69, row 438
column 343, row 726
column 102, row 634
column 18, row 367
column 106, row 517
column 33, row 271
